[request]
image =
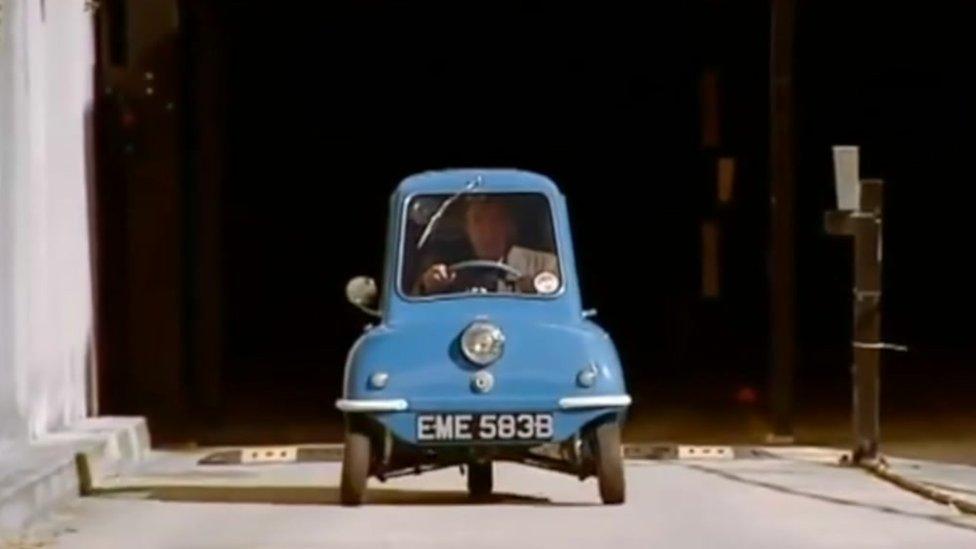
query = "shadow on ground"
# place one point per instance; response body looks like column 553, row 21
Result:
column 328, row 495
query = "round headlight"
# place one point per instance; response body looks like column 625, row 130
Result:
column 482, row 343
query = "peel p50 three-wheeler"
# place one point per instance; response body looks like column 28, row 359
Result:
column 482, row 351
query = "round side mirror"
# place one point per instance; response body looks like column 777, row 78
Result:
column 361, row 292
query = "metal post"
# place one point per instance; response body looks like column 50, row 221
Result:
column 864, row 224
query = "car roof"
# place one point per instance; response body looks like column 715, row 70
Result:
column 491, row 179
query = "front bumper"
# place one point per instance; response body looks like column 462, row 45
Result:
column 401, row 405
column 594, row 401
column 372, row 405
column 571, row 414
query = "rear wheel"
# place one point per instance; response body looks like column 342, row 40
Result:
column 480, row 479
column 609, row 463
column 355, row 468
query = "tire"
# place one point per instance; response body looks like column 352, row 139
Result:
column 355, row 468
column 609, row 463
column 480, row 479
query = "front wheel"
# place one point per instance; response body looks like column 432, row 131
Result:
column 480, row 479
column 609, row 463
column 355, row 468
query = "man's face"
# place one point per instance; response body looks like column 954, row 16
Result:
column 490, row 229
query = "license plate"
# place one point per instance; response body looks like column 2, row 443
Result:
column 470, row 427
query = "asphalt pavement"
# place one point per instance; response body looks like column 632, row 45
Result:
column 173, row 502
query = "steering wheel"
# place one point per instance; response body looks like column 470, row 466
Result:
column 498, row 266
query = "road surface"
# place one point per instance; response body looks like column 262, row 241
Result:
column 750, row 503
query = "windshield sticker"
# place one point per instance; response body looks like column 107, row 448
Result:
column 546, row 282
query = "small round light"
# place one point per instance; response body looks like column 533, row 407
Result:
column 587, row 376
column 482, row 381
column 483, row 343
column 379, row 380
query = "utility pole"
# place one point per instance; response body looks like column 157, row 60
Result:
column 781, row 228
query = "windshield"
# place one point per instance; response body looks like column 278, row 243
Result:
column 482, row 243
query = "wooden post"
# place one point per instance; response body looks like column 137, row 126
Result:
column 781, row 237
column 864, row 224
column 204, row 51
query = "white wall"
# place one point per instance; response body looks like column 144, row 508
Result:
column 46, row 72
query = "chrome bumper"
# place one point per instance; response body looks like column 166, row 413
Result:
column 372, row 405
column 596, row 401
column 400, row 404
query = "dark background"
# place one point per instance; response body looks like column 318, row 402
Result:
column 295, row 121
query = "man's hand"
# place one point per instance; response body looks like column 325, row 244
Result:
column 436, row 279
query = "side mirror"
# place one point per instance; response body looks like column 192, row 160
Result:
column 361, row 292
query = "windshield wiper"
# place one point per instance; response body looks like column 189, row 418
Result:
column 429, row 228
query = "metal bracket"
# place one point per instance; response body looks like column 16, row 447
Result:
column 387, row 446
column 576, row 450
column 880, row 345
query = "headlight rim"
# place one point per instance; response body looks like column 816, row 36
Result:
column 498, row 336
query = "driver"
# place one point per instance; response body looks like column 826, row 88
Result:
column 491, row 231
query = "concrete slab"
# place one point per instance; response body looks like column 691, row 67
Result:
column 34, row 480
column 38, row 477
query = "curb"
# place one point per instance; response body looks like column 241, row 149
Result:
column 274, row 454
column 254, row 455
column 695, row 452
column 38, row 477
column 883, row 470
column 884, row 473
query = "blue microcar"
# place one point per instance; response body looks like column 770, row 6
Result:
column 483, row 351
